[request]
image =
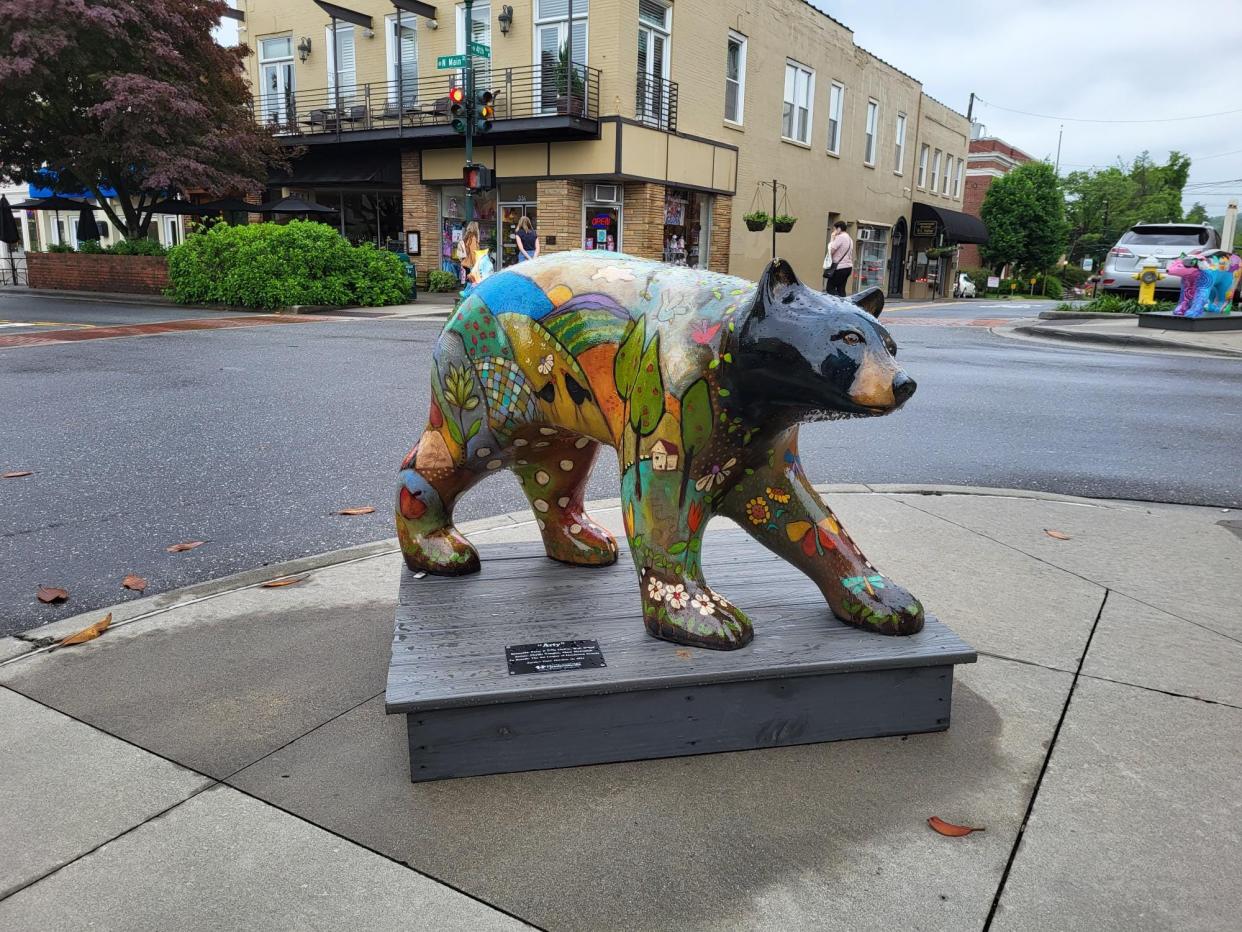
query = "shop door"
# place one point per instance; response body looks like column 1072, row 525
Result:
column 510, row 214
column 897, row 260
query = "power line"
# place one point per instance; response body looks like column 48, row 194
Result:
column 1045, row 116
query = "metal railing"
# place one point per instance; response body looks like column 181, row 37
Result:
column 655, row 102
column 520, row 93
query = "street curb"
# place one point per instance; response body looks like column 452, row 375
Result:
column 1108, row 339
column 35, row 641
column 99, row 297
column 1082, row 315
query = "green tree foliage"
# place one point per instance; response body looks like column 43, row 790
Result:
column 1101, row 205
column 696, row 427
column 1025, row 216
column 270, row 265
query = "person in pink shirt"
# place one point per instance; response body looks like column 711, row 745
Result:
column 839, row 262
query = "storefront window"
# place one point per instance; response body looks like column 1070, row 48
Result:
column 687, row 227
column 872, row 253
column 453, row 223
column 602, row 226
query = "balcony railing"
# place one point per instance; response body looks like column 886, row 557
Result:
column 520, row 93
column 655, row 102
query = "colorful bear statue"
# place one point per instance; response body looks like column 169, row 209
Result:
column 699, row 381
column 1209, row 280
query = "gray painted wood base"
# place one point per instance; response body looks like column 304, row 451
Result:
column 805, row 678
column 1167, row 320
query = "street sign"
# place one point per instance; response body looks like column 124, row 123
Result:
column 993, row 281
column 445, row 62
column 478, row 48
column 1087, row 264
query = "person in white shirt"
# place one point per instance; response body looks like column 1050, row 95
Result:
column 839, row 261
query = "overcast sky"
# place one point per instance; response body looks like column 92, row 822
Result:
column 1085, row 60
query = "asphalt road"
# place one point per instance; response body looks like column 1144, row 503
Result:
column 249, row 439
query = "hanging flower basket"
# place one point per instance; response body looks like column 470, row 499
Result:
column 784, row 223
column 756, row 221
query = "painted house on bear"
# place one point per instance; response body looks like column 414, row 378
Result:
column 637, row 125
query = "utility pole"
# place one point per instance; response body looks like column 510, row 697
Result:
column 1230, row 226
column 1060, row 132
column 970, row 108
column 470, row 99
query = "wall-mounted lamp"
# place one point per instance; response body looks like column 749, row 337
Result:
column 369, row 33
column 506, row 19
column 304, row 48
column 432, row 24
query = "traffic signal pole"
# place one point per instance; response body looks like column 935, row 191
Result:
column 470, row 100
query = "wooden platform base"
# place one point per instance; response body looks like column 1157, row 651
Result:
column 1167, row 320
column 805, row 678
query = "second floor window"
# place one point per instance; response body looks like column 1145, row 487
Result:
column 957, row 182
column 899, row 143
column 341, row 68
column 799, row 90
column 923, row 164
column 836, row 105
column 653, row 99
column 873, row 122
column 935, row 171
column 948, row 175
column 552, row 53
column 735, row 78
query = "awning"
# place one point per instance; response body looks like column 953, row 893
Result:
column 375, row 169
column 958, row 227
column 347, row 15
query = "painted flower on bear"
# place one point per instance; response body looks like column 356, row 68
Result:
column 655, row 590
column 703, row 603
column 757, row 510
column 716, row 475
column 780, row 496
column 676, row 596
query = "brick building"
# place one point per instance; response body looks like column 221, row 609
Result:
column 989, row 158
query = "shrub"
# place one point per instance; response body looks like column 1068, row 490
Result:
column 137, row 247
column 1114, row 304
column 440, row 280
column 91, row 247
column 60, row 247
column 268, row 265
column 1073, row 275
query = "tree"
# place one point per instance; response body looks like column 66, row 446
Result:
column 1102, row 205
column 1025, row 215
column 129, row 95
column 1197, row 214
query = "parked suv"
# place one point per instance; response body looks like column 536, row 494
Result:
column 1164, row 241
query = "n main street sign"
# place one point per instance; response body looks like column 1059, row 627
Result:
column 445, row 62
column 478, row 48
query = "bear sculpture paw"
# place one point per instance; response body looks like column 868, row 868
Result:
column 689, row 613
column 876, row 603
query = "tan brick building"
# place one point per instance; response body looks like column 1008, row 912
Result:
column 652, row 138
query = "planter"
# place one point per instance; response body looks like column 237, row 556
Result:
column 75, row 271
column 756, row 226
column 783, row 226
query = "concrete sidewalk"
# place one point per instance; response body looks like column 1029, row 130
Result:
column 1122, row 331
column 220, row 759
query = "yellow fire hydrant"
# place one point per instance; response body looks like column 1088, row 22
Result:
column 1148, row 275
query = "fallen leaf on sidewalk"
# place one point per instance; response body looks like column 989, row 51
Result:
column 283, row 581
column 1056, row 535
column 188, row 545
column 89, row 633
column 137, row 583
column 948, row 828
column 15, row 474
column 364, row 510
column 52, row 595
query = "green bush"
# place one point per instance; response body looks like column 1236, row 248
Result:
column 60, row 247
column 137, row 247
column 1114, row 304
column 267, row 265
column 440, row 280
column 1073, row 275
column 90, row 247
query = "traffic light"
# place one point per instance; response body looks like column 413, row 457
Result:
column 483, row 111
column 478, row 177
column 458, row 109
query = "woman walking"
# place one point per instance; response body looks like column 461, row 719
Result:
column 527, row 240
column 839, row 262
column 469, row 246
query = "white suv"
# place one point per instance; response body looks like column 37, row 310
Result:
column 1164, row 241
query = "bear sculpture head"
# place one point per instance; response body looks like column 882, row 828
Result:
column 802, row 355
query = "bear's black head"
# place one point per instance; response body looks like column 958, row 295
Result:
column 806, row 355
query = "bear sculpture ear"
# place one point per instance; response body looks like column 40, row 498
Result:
column 870, row 300
column 777, row 279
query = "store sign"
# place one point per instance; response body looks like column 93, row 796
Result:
column 993, row 281
column 925, row 228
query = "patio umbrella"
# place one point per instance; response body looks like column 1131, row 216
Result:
column 180, row 208
column 8, row 225
column 9, row 234
column 295, row 205
column 229, row 204
column 87, row 227
column 56, row 202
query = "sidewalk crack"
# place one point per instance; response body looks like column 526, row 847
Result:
column 1039, row 780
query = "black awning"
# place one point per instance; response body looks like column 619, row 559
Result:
column 347, row 15
column 333, row 165
column 958, row 227
column 415, row 6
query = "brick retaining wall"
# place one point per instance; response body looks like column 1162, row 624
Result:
column 69, row 271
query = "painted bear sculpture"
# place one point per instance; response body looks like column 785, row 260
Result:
column 699, row 381
column 1209, row 280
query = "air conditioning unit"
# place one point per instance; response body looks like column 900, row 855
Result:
column 607, row 194
column 866, row 233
